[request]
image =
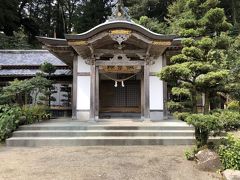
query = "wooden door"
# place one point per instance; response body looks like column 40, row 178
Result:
column 120, row 99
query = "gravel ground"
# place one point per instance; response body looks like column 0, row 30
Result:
column 99, row 163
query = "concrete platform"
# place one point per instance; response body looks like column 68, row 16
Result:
column 67, row 132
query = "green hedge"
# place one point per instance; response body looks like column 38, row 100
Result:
column 13, row 116
column 35, row 113
column 229, row 153
column 9, row 120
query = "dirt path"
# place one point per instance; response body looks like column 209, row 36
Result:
column 99, row 163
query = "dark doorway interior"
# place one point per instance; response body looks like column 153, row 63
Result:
column 120, row 101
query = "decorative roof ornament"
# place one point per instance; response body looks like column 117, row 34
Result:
column 119, row 12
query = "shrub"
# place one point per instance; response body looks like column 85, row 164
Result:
column 229, row 119
column 9, row 120
column 34, row 113
column 229, row 153
column 174, row 106
column 190, row 153
column 181, row 115
column 204, row 124
column 233, row 105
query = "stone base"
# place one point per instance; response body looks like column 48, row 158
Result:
column 83, row 115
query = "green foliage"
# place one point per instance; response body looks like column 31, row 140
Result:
column 203, row 124
column 181, row 92
column 180, row 58
column 212, row 79
column 67, row 94
column 35, row 113
column 229, row 153
column 15, row 91
column 48, row 68
column 174, row 106
column 18, row 41
column 221, row 120
column 206, row 44
column 181, row 115
column 152, row 24
column 202, row 64
column 9, row 119
column 190, row 153
column 207, row 122
column 234, row 105
column 24, row 91
column 90, row 13
column 193, row 52
column 230, row 120
column 9, row 19
column 150, row 8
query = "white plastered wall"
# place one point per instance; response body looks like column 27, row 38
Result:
column 83, row 90
column 156, row 91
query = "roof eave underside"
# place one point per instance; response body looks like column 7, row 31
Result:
column 59, row 48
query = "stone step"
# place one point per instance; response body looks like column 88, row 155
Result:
column 99, row 141
column 95, row 127
column 80, row 133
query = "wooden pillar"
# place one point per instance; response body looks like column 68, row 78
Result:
column 97, row 94
column 92, row 92
column 146, row 92
column 142, row 95
column 165, row 93
column 74, row 88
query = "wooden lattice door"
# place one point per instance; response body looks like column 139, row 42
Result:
column 120, row 99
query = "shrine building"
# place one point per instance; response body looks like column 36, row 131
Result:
column 114, row 68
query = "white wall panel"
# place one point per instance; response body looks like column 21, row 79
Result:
column 157, row 66
column 156, row 93
column 83, row 93
column 82, row 66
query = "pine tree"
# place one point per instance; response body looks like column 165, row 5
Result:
column 201, row 66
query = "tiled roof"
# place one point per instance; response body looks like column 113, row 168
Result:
column 21, row 62
column 28, row 57
column 31, row 72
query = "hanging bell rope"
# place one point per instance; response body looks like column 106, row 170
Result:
column 119, row 80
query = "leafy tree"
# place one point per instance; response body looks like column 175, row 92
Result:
column 91, row 13
column 156, row 9
column 232, row 9
column 18, row 41
column 21, row 92
column 9, row 19
column 233, row 86
column 153, row 24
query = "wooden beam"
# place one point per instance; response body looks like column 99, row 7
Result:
column 118, row 51
column 142, row 38
column 119, row 63
column 97, row 37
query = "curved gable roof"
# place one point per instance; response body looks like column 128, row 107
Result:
column 119, row 24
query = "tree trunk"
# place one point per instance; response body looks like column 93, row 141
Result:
column 194, row 101
column 201, row 137
column 207, row 103
column 234, row 12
